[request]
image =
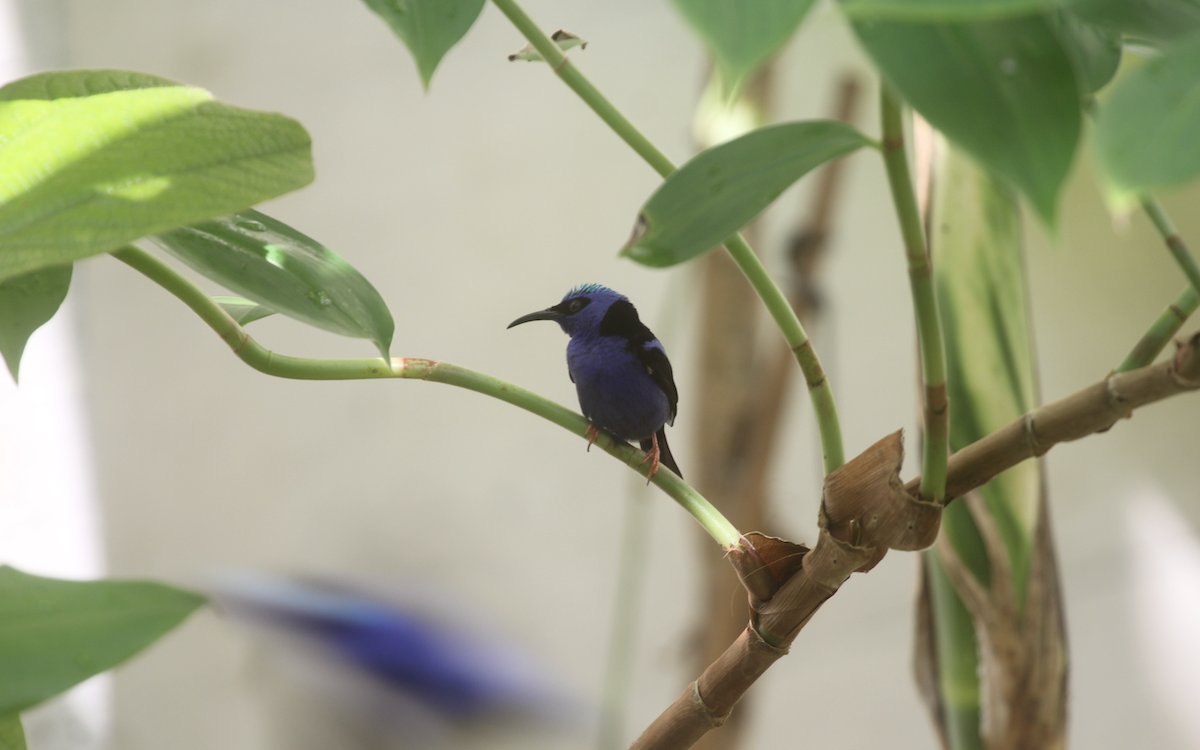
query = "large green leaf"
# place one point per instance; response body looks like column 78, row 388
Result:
column 725, row 187
column 267, row 261
column 12, row 736
column 741, row 35
column 1004, row 90
column 90, row 160
column 943, row 10
column 56, row 633
column 26, row 302
column 1146, row 130
column 429, row 28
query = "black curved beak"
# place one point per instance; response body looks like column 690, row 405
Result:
column 548, row 314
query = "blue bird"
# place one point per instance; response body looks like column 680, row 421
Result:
column 620, row 370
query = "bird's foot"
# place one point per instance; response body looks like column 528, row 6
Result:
column 591, row 435
column 652, row 456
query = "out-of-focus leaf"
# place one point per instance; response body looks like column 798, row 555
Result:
column 741, row 35
column 26, row 303
column 943, row 10
column 429, row 28
column 270, row 263
column 979, row 272
column 1095, row 50
column 1003, row 90
column 55, row 633
column 1147, row 20
column 90, row 160
column 1146, row 130
column 12, row 736
column 725, row 187
column 242, row 310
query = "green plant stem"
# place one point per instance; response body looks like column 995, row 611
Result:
column 1179, row 251
column 264, row 360
column 936, row 443
column 820, row 391
column 1171, row 319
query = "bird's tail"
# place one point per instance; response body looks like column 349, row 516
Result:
column 664, row 451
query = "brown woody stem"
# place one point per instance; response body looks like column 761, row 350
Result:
column 707, row 701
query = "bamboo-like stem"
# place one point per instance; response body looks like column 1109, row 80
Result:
column 1175, row 245
column 411, row 368
column 706, row 702
column 820, row 391
column 1156, row 338
column 1171, row 319
column 936, row 439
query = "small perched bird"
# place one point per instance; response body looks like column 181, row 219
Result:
column 620, row 370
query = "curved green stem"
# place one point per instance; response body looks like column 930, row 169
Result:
column 1168, row 323
column 936, row 444
column 751, row 266
column 283, row 366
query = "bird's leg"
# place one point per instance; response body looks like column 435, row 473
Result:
column 591, row 435
column 652, row 456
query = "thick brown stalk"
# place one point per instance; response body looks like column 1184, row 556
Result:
column 1093, row 409
column 866, row 511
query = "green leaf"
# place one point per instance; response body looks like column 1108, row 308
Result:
column 242, row 310
column 1148, row 20
column 978, row 263
column 56, row 633
column 1003, row 90
column 12, row 736
column 429, row 28
column 1146, row 130
column 26, row 303
column 723, row 188
column 1095, row 51
column 270, row 263
column 943, row 10
column 741, row 35
column 91, row 160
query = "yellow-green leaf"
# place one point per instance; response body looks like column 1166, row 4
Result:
column 91, row 160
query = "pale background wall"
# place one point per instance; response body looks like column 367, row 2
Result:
column 478, row 202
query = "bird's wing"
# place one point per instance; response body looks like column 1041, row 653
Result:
column 654, row 359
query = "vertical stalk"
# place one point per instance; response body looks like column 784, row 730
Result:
column 936, row 446
column 751, row 267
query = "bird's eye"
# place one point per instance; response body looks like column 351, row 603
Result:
column 575, row 306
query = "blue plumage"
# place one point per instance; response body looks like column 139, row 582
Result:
column 620, row 370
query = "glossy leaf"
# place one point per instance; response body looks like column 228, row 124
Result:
column 26, row 303
column 723, row 188
column 242, row 310
column 429, row 28
column 274, row 265
column 1003, row 90
column 742, row 35
column 56, row 633
column 1146, row 130
column 12, row 736
column 943, row 10
column 90, row 160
